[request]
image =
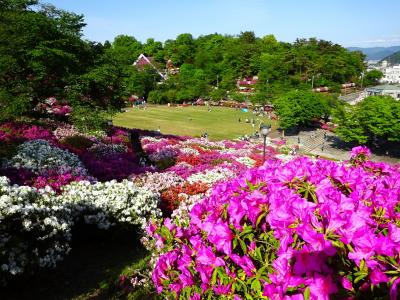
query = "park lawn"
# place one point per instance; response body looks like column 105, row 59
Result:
column 220, row 123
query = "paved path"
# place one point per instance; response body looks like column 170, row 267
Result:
column 324, row 143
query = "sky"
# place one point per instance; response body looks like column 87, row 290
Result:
column 363, row 23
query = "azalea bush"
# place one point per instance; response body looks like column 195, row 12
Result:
column 54, row 107
column 40, row 156
column 173, row 196
column 35, row 229
column 36, row 224
column 105, row 150
column 109, row 203
column 156, row 181
column 17, row 131
column 302, row 229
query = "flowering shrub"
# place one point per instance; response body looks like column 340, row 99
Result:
column 12, row 131
column 53, row 107
column 329, row 126
column 211, row 176
column 157, row 182
column 105, row 150
column 34, row 229
column 19, row 176
column 111, row 202
column 40, row 156
column 35, row 224
column 163, row 154
column 118, row 166
column 301, row 229
column 55, row 180
column 172, row 197
column 65, row 130
column 360, row 154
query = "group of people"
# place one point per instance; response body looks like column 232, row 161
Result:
column 252, row 121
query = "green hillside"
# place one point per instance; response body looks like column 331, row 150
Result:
column 394, row 58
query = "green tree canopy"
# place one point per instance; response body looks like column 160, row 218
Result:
column 299, row 108
column 375, row 120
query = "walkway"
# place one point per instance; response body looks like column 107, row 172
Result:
column 326, row 144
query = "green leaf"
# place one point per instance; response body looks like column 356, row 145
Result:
column 306, row 293
column 256, row 285
column 243, row 245
column 360, row 277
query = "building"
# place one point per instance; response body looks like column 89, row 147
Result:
column 247, row 85
column 384, row 90
column 391, row 74
column 144, row 61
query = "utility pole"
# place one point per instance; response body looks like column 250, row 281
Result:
column 312, row 82
column 362, row 79
column 217, row 81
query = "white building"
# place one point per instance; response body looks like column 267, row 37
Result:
column 384, row 90
column 391, row 74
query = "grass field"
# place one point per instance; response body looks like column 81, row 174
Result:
column 220, row 123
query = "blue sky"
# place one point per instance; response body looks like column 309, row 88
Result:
column 362, row 23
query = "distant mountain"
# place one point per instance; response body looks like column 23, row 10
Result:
column 393, row 59
column 376, row 53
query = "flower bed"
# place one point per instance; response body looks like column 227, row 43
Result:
column 301, row 229
column 71, row 177
column 36, row 224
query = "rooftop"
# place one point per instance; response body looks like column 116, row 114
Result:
column 385, row 87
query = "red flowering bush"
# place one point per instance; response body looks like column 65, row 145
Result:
column 171, row 198
column 297, row 230
column 193, row 160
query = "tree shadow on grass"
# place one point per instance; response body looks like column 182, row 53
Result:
column 96, row 260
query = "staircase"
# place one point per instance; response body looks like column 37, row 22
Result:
column 313, row 142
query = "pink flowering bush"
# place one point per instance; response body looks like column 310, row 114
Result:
column 56, row 181
column 53, row 107
column 13, row 131
column 360, row 153
column 297, row 230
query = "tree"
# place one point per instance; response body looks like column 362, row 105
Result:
column 299, row 108
column 41, row 52
column 372, row 77
column 125, row 49
column 375, row 120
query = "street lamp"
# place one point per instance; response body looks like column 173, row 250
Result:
column 265, row 129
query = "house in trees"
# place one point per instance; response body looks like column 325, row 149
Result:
column 246, row 86
column 144, row 61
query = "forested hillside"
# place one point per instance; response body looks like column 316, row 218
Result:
column 43, row 54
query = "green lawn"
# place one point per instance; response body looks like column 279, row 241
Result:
column 220, row 123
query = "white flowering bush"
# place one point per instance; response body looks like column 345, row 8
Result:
column 36, row 224
column 103, row 149
column 156, row 181
column 181, row 214
column 40, row 156
column 35, row 229
column 247, row 161
column 107, row 203
column 211, row 176
column 65, row 130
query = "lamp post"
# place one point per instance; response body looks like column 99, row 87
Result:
column 265, row 129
